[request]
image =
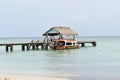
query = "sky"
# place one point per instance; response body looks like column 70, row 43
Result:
column 31, row 18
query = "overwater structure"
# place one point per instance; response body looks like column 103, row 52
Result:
column 60, row 43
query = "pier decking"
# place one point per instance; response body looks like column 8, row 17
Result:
column 25, row 46
column 42, row 45
column 85, row 42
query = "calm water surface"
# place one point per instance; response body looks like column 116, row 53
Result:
column 88, row 63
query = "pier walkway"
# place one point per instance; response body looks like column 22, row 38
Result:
column 37, row 45
column 85, row 42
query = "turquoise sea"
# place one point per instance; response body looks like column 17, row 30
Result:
column 86, row 63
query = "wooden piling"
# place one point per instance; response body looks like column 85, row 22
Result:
column 42, row 47
column 33, row 47
column 28, row 48
column 11, row 48
column 82, row 44
column 46, row 47
column 37, row 47
column 23, row 47
column 7, row 48
column 94, row 44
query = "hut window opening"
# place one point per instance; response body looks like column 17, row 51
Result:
column 68, row 43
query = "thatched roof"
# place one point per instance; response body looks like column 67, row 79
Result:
column 60, row 31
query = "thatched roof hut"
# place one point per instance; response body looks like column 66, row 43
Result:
column 58, row 30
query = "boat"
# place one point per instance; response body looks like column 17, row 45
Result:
column 61, row 44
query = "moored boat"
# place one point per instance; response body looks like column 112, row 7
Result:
column 61, row 44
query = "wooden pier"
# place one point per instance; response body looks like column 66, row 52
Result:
column 42, row 45
column 82, row 43
column 25, row 46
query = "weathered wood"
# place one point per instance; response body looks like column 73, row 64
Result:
column 40, row 43
column 37, row 47
column 42, row 47
column 33, row 47
column 27, row 46
column 7, row 48
column 23, row 47
column 46, row 47
column 94, row 44
column 11, row 48
column 82, row 44
column 85, row 42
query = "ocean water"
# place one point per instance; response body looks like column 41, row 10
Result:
column 85, row 63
